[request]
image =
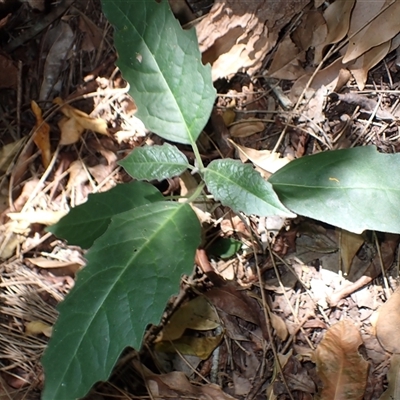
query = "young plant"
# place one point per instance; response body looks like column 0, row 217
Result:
column 140, row 244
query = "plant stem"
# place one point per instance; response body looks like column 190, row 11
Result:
column 196, row 193
column 197, row 155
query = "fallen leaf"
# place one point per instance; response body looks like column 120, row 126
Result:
column 287, row 62
column 196, row 314
column 279, row 325
column 45, row 217
column 201, row 347
column 35, row 328
column 71, row 130
column 384, row 27
column 349, row 245
column 92, row 35
column 8, row 152
column 342, row 370
column 388, row 324
column 41, row 136
column 246, row 128
column 95, row 124
column 264, row 159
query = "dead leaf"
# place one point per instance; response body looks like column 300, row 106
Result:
column 388, row 324
column 349, row 245
column 201, row 347
column 35, row 328
column 8, row 152
column 71, row 131
column 9, row 72
column 264, row 159
column 92, row 35
column 287, row 62
column 383, row 27
column 95, row 124
column 365, row 62
column 42, row 135
column 45, row 217
column 196, row 314
column 279, row 325
column 340, row 367
column 246, row 128
column 393, row 376
column 56, row 57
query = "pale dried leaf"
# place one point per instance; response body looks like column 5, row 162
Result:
column 287, row 61
column 35, row 328
column 364, row 63
column 349, row 244
column 280, row 327
column 8, row 152
column 71, row 130
column 340, row 367
column 45, row 217
column 42, row 134
column 381, row 29
column 388, row 324
column 196, row 314
column 95, row 124
column 246, row 128
column 338, row 26
column 265, row 159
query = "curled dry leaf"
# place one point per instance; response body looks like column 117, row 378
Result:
column 264, row 159
column 388, row 324
column 41, row 137
column 72, row 130
column 340, row 367
column 246, row 128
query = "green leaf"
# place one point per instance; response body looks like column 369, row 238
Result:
column 224, row 247
column 132, row 271
column 86, row 222
column 162, row 63
column 354, row 189
column 241, row 188
column 155, row 162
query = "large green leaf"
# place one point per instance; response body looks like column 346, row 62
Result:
column 355, row 189
column 132, row 271
column 241, row 188
column 155, row 162
column 162, row 63
column 86, row 222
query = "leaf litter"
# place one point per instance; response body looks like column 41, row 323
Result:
column 324, row 288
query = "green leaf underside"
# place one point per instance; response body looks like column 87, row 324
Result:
column 88, row 221
column 241, row 188
column 354, row 189
column 224, row 247
column 162, row 63
column 155, row 162
column 132, row 271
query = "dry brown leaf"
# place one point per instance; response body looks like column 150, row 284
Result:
column 340, row 367
column 196, row 314
column 9, row 72
column 35, row 328
column 92, row 35
column 42, row 135
column 8, row 152
column 349, row 245
column 338, row 27
column 246, row 128
column 364, row 63
column 388, row 324
column 381, row 29
column 280, row 327
column 95, row 124
column 393, row 376
column 201, row 347
column 71, row 130
column 264, row 159
column 176, row 386
column 287, row 61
